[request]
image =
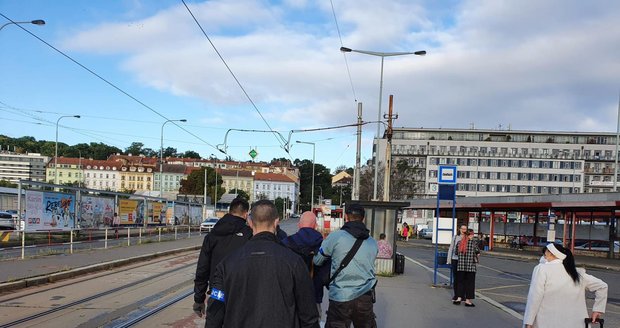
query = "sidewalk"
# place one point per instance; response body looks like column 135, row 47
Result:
column 17, row 273
column 583, row 261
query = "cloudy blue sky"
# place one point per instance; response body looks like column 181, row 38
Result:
column 530, row 65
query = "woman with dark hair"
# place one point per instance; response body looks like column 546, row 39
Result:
column 557, row 292
column 469, row 254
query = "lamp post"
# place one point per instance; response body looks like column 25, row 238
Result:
column 215, row 187
column 313, row 152
column 35, row 22
column 56, row 148
column 161, row 157
column 321, row 196
column 382, row 55
column 80, row 169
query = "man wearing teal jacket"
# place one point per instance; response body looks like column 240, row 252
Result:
column 351, row 293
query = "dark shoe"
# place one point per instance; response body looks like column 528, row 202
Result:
column 456, row 302
column 470, row 304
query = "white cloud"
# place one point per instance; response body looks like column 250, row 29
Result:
column 535, row 65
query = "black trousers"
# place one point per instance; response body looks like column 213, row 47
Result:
column 455, row 278
column 358, row 311
column 466, row 285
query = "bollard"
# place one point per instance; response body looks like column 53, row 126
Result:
column 128, row 236
column 159, row 228
column 175, row 232
column 71, row 242
column 140, row 236
column 105, row 242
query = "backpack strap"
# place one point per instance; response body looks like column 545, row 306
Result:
column 347, row 258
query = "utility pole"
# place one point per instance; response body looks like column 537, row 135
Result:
column 356, row 172
column 388, row 152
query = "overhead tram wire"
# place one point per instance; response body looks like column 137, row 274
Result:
column 236, row 79
column 109, row 83
column 346, row 63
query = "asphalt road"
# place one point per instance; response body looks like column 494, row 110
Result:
column 506, row 281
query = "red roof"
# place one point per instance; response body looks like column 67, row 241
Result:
column 272, row 177
column 85, row 162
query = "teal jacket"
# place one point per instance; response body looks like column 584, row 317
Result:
column 359, row 276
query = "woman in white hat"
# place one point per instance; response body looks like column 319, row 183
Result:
column 557, row 292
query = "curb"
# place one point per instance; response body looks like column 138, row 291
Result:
column 57, row 276
column 526, row 257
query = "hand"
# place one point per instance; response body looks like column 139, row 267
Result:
column 528, row 326
column 199, row 309
column 595, row 315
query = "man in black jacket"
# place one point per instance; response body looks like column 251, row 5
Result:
column 262, row 284
column 229, row 233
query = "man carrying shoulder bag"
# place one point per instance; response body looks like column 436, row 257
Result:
column 351, row 290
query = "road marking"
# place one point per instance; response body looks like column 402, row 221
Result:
column 503, row 272
column 500, row 287
column 478, row 294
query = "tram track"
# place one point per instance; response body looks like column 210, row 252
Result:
column 85, row 300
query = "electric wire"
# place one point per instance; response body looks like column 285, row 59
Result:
column 344, row 55
column 108, row 82
column 234, row 77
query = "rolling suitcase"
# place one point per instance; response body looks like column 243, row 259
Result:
column 588, row 322
column 400, row 263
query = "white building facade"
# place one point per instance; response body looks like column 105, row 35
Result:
column 15, row 167
column 505, row 162
column 272, row 186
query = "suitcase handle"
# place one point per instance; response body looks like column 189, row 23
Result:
column 598, row 320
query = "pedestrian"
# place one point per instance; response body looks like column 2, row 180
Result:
column 557, row 292
column 468, row 253
column 116, row 222
column 453, row 258
column 405, row 232
column 385, row 249
column 227, row 235
column 351, row 292
column 306, row 243
column 263, row 283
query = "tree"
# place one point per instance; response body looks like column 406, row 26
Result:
column 322, row 182
column 240, row 193
column 195, row 182
column 170, row 152
column 405, row 181
column 279, row 202
column 190, row 154
column 135, row 148
column 7, row 184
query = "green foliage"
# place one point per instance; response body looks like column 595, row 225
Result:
column 279, row 202
column 240, row 193
column 190, row 154
column 195, row 182
column 7, row 184
column 322, row 182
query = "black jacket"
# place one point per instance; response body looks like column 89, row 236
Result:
column 263, row 284
column 228, row 234
column 306, row 243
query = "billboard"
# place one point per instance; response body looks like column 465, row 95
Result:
column 96, row 212
column 157, row 213
column 181, row 214
column 49, row 211
column 195, row 214
column 131, row 211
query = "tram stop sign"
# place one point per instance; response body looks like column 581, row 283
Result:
column 253, row 153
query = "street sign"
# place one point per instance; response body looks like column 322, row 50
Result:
column 447, row 174
column 253, row 153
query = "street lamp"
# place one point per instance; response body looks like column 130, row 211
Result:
column 382, row 55
column 35, row 22
column 313, row 151
column 320, row 197
column 56, row 148
column 215, row 187
column 161, row 157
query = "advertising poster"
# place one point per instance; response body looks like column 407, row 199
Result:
column 96, row 212
column 131, row 211
column 49, row 211
column 195, row 214
column 157, row 213
column 181, row 214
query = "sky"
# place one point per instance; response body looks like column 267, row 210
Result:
column 127, row 66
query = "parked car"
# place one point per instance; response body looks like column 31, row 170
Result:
column 208, row 224
column 425, row 233
column 599, row 246
column 6, row 221
column 295, row 216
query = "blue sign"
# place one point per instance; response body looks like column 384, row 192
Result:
column 447, row 174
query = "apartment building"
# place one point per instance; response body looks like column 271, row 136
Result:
column 237, row 179
column 69, row 170
column 505, row 162
column 171, row 177
column 15, row 167
column 101, row 175
column 272, row 186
